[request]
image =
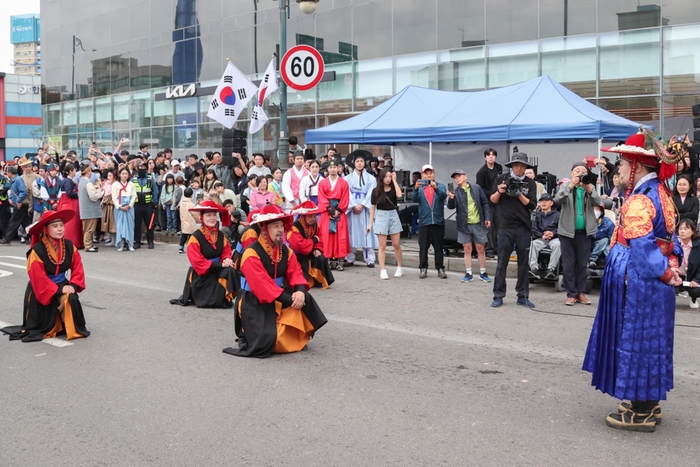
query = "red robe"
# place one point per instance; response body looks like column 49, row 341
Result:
column 316, row 268
column 336, row 245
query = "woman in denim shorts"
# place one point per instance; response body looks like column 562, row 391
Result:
column 384, row 217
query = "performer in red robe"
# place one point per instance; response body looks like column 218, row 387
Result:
column 211, row 280
column 51, row 304
column 274, row 311
column 249, row 235
column 333, row 200
column 304, row 240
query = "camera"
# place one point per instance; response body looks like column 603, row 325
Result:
column 586, row 180
column 514, row 186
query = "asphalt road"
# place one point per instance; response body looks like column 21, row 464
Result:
column 407, row 372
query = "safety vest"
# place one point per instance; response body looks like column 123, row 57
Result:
column 144, row 194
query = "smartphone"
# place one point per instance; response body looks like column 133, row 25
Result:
column 126, row 140
column 451, row 187
column 425, row 182
column 686, row 283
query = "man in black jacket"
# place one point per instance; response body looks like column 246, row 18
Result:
column 473, row 220
column 485, row 178
column 516, row 200
column 544, row 233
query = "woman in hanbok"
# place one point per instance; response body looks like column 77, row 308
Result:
column 124, row 197
column 109, row 225
column 56, row 276
column 361, row 184
column 308, row 186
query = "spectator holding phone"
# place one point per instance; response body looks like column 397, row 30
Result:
column 430, row 197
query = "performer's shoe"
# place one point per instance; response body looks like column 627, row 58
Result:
column 441, row 273
column 423, row 273
column 632, row 421
column 581, row 298
column 656, row 410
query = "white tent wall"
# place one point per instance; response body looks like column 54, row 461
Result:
column 555, row 158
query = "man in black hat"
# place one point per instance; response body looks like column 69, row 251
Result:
column 516, row 196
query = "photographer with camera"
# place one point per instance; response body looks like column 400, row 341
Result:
column 516, row 196
column 576, row 224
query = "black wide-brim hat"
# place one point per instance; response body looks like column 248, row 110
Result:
column 520, row 157
column 366, row 155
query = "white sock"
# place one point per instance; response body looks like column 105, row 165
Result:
column 469, row 271
column 482, row 270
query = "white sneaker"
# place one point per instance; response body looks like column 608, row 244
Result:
column 131, row 248
column 693, row 303
column 383, row 274
column 683, row 294
column 399, row 272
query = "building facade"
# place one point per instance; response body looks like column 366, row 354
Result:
column 638, row 59
column 25, row 33
column 20, row 115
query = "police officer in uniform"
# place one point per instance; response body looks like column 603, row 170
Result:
column 144, row 208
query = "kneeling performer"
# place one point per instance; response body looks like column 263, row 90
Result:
column 274, row 311
column 211, row 281
column 304, row 240
column 51, row 302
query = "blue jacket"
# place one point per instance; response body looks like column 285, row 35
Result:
column 605, row 229
column 428, row 216
column 18, row 190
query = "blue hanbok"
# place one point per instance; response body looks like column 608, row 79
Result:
column 361, row 187
column 630, row 351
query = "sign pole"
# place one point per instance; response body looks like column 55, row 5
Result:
column 283, row 144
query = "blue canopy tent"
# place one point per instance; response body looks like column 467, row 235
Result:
column 539, row 110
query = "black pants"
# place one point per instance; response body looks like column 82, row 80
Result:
column 431, row 235
column 142, row 213
column 574, row 260
column 4, row 218
column 693, row 292
column 520, row 236
column 18, row 218
column 492, row 245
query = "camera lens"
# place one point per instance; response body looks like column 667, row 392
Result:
column 586, row 180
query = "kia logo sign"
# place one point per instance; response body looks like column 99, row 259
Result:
column 176, row 92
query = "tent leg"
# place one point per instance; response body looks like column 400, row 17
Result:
column 430, row 154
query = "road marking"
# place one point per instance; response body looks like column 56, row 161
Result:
column 10, row 265
column 15, row 257
column 52, row 341
column 5, row 273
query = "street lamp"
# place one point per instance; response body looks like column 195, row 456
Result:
column 307, row 7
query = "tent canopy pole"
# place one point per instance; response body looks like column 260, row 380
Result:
column 430, row 154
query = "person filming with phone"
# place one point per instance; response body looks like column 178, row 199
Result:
column 430, row 197
column 576, row 224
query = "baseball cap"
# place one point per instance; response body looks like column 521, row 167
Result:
column 457, row 172
column 427, row 167
column 175, row 162
column 546, row 197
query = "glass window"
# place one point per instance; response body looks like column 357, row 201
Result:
column 374, row 82
column 85, row 115
column 162, row 137
column 210, row 135
column 460, row 24
column 53, row 119
column 70, row 117
column 629, row 62
column 567, row 18
column 622, row 15
column 415, row 26
column 143, row 136
column 337, row 41
column 163, row 112
column 336, row 96
column 511, row 21
column 682, row 59
column 371, row 29
column 121, row 112
column 512, row 63
column 681, row 11
column 571, row 61
column 677, row 111
column 212, row 58
column 637, row 109
column 417, row 69
column 241, row 54
column 462, row 69
column 141, row 109
column 186, row 137
column 103, row 113
column 186, row 111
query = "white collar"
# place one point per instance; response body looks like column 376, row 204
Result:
column 646, row 178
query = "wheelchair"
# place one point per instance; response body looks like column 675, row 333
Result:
column 543, row 265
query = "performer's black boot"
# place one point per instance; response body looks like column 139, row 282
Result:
column 638, row 417
column 656, row 410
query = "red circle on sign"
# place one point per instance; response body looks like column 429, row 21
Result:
column 312, row 80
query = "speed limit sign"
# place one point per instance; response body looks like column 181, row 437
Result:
column 302, row 67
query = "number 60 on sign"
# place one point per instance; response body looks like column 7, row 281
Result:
column 302, row 67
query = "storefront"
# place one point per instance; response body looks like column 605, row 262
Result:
column 20, row 115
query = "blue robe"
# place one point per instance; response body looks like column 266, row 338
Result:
column 630, row 351
column 125, row 221
column 361, row 194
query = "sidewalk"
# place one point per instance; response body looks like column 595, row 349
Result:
column 454, row 262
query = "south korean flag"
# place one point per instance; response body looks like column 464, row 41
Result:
column 231, row 96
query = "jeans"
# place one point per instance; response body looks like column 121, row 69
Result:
column 520, row 236
column 171, row 214
column 431, row 235
column 601, row 246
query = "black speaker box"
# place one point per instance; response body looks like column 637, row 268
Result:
column 696, row 122
column 228, row 141
column 696, row 136
column 696, row 110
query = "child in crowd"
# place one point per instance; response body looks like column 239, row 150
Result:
column 166, row 203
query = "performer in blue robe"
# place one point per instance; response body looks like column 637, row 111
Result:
column 361, row 183
column 630, row 351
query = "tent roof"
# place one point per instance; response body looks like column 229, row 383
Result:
column 537, row 110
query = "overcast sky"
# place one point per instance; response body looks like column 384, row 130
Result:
column 7, row 9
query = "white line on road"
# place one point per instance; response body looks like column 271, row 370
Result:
column 52, row 341
column 15, row 257
column 10, row 265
